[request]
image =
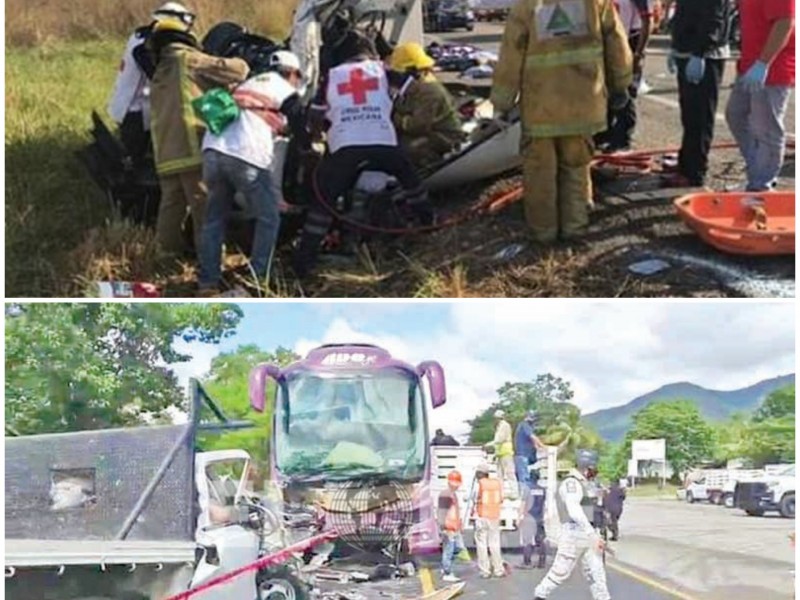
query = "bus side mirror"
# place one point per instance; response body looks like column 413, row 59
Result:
column 433, row 372
column 257, row 387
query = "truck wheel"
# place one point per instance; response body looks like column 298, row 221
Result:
column 727, row 500
column 282, row 586
column 787, row 506
column 756, row 512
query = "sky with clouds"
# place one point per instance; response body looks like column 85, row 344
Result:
column 610, row 352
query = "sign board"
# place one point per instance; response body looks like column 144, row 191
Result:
column 649, row 450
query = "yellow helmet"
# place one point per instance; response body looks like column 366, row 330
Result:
column 410, row 56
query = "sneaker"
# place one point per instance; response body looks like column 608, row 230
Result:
column 485, row 576
column 450, row 578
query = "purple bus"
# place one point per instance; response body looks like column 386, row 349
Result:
column 350, row 436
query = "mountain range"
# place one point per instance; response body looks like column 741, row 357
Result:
column 714, row 405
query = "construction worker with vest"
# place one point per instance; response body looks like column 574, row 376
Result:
column 424, row 115
column 488, row 504
column 564, row 62
column 450, row 525
column 578, row 539
column 503, row 448
column 182, row 73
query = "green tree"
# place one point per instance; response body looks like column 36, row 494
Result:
column 689, row 438
column 729, row 436
column 613, row 463
column 90, row 366
column 778, row 404
column 227, row 384
column 769, row 441
column 571, row 433
column 549, row 395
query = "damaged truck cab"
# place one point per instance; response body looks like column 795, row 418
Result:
column 350, row 437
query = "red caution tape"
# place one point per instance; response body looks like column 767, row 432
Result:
column 265, row 561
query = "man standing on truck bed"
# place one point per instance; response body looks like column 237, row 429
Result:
column 503, row 448
column 525, row 445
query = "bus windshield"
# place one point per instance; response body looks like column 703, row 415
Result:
column 350, row 424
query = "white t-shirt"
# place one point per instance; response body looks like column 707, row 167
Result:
column 250, row 138
column 359, row 106
column 131, row 90
column 631, row 15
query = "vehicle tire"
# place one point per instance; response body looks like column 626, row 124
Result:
column 787, row 506
column 282, row 585
column 689, row 498
column 757, row 512
column 470, row 27
column 727, row 500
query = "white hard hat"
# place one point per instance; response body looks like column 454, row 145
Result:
column 484, row 468
column 284, row 59
column 499, row 414
column 174, row 10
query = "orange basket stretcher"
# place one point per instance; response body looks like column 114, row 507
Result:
column 742, row 223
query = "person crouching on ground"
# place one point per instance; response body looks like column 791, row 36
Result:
column 449, row 517
column 240, row 159
column 424, row 114
column 487, row 523
column 356, row 104
column 183, row 72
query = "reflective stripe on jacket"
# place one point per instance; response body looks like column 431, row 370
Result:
column 490, row 498
column 560, row 59
column 183, row 74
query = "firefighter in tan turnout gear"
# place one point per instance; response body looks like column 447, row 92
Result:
column 182, row 73
column 564, row 62
column 575, row 501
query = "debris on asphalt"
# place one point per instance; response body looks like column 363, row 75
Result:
column 649, row 267
column 508, row 253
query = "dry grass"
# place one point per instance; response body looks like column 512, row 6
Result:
column 34, row 22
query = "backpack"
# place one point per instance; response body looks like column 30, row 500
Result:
column 217, row 109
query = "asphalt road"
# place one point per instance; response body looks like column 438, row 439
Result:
column 636, row 219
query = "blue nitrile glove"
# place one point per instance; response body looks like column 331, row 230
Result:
column 672, row 63
column 695, row 69
column 755, row 78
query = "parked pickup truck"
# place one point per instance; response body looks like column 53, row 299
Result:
column 772, row 493
column 716, row 485
column 131, row 514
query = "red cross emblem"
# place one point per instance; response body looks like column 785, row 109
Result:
column 358, row 86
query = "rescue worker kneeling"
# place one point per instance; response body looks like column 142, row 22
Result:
column 558, row 58
column 487, row 524
column 424, row 115
column 360, row 137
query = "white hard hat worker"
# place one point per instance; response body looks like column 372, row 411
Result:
column 175, row 11
column 499, row 414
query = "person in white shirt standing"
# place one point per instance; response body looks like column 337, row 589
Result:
column 357, row 105
column 129, row 105
column 636, row 17
column 578, row 539
column 242, row 159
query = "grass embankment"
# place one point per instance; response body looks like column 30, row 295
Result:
column 60, row 232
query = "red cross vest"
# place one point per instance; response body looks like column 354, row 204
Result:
column 359, row 106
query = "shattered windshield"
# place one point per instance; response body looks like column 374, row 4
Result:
column 343, row 425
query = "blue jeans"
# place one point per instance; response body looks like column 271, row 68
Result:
column 224, row 176
column 756, row 121
column 523, row 474
column 453, row 545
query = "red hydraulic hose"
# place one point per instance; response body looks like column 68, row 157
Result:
column 265, row 561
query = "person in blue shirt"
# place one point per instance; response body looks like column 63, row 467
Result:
column 525, row 445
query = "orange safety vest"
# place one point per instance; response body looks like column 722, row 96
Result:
column 452, row 520
column 490, row 498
